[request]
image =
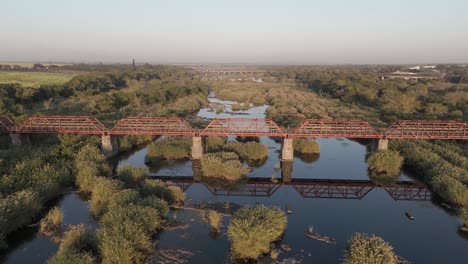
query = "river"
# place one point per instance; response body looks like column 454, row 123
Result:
column 330, row 192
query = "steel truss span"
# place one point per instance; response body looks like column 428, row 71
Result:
column 7, row 125
column 160, row 126
column 330, row 128
column 79, row 125
column 423, row 129
column 257, row 127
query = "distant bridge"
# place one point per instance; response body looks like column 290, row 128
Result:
column 384, row 76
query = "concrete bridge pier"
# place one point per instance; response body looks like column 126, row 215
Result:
column 286, row 171
column 287, row 150
column 382, row 144
column 19, row 139
column 197, row 148
column 109, row 146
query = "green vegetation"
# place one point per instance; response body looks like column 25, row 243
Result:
column 131, row 175
column 223, row 165
column 35, row 79
column 369, row 249
column 127, row 143
column 252, row 230
column 129, row 217
column 169, row 148
column 385, row 163
column 250, row 151
column 446, row 178
column 213, row 144
column 52, row 222
column 79, row 245
column 219, row 109
column 306, row 146
column 31, row 177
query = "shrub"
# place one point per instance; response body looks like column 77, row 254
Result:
column 224, row 165
column 252, row 229
column 72, row 258
column 257, row 100
column 126, row 234
column 17, row 210
column 249, row 151
column 450, row 189
column 52, row 222
column 214, row 143
column 85, row 178
column 363, row 249
column 157, row 203
column 236, row 107
column 124, row 198
column 146, row 217
column 171, row 148
column 385, row 163
column 79, row 239
column 214, row 218
column 219, row 109
column 131, row 175
column 129, row 244
column 172, row 194
column 306, row 146
column 103, row 192
column 464, row 216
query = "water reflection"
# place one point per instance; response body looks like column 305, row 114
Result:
column 308, row 188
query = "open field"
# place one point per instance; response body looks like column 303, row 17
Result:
column 35, row 79
column 29, row 64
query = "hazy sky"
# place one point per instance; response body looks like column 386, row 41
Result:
column 235, row 31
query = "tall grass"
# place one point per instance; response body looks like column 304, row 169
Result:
column 223, row 165
column 249, row 151
column 214, row 218
column 385, row 163
column 52, row 222
column 306, row 146
column 369, row 249
column 252, row 230
column 170, row 148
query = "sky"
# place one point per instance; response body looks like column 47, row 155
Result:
column 235, row 31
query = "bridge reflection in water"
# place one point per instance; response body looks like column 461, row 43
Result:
column 307, row 188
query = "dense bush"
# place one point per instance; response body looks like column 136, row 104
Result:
column 385, row 163
column 88, row 165
column 223, row 165
column 79, row 239
column 126, row 234
column 131, row 175
column 127, row 143
column 72, row 258
column 170, row 193
column 306, row 146
column 214, row 218
column 103, row 193
column 369, row 249
column 52, row 222
column 17, row 210
column 214, row 143
column 171, row 148
column 450, row 183
column 252, row 229
column 249, row 151
column 157, row 203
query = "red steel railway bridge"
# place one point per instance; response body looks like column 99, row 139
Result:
column 175, row 126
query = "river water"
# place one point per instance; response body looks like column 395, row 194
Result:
column 337, row 208
column 330, row 192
